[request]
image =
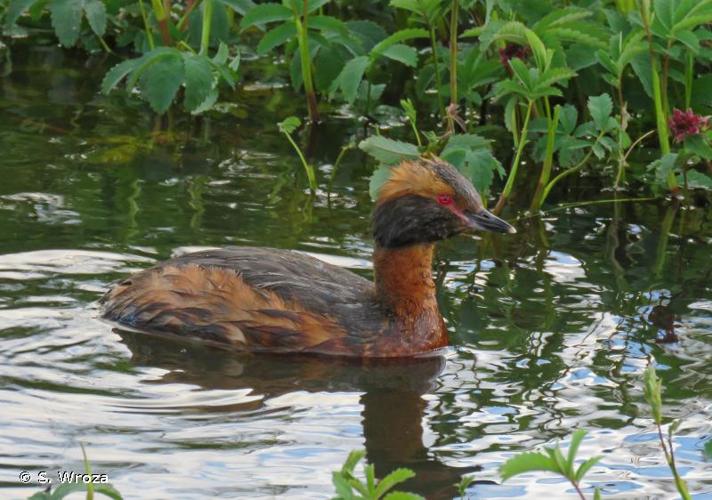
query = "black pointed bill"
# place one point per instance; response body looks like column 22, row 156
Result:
column 487, row 221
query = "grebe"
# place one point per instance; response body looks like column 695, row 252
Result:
column 280, row 301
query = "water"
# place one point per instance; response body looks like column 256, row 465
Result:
column 551, row 328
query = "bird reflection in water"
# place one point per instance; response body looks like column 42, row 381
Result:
column 391, row 396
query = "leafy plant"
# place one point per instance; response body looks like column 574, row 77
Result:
column 553, row 460
column 350, row 77
column 349, row 487
column 66, row 489
column 653, row 395
column 287, row 127
column 162, row 72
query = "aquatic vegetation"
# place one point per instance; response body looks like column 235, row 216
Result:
column 67, row 488
column 349, row 487
column 460, row 63
column 552, row 459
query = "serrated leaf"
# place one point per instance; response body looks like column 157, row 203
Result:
column 265, row 13
column 351, row 76
column 199, row 80
column 161, row 80
column 698, row 180
column 289, row 125
column 276, row 37
column 600, row 108
column 66, row 20
column 392, row 479
column 403, row 54
column 388, row 151
column 568, row 116
column 527, row 462
column 661, row 168
column 118, row 72
column 96, row 16
column 328, row 24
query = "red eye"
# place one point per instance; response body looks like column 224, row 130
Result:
column 445, row 199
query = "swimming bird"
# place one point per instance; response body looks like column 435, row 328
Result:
column 282, row 301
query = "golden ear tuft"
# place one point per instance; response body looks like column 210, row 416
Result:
column 411, row 177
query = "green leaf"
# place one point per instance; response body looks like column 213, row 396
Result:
column 651, row 387
column 527, row 462
column 351, row 76
column 199, row 80
column 15, row 10
column 568, row 117
column 108, row 490
column 698, row 180
column 707, row 449
column 388, row 151
column 118, row 72
column 697, row 144
column 96, row 15
column 161, row 80
column 265, row 13
column 66, row 20
column 396, row 477
column 600, row 108
column 585, row 467
column 402, row 53
column 689, row 39
column 276, row 37
column 576, row 439
column 288, row 126
column 378, row 178
column 400, row 495
column 597, row 494
column 397, row 37
column 328, row 24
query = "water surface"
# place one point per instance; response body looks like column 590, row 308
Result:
column 551, row 328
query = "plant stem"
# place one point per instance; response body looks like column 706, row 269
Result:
column 660, row 113
column 161, row 10
column 553, row 125
column 183, row 23
column 454, row 12
column 438, row 79
column 207, row 22
column 515, row 163
column 311, row 176
column 146, row 27
column 303, row 41
column 670, row 458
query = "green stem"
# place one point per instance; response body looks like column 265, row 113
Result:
column 146, row 27
column 689, row 75
column 311, row 176
column 453, row 51
column 183, row 23
column 515, row 164
column 570, row 171
column 553, row 125
column 303, row 41
column 670, row 459
column 660, row 114
column 438, row 78
column 207, row 22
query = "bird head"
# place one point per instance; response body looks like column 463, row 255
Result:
column 428, row 200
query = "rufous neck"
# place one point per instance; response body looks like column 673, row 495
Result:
column 404, row 280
